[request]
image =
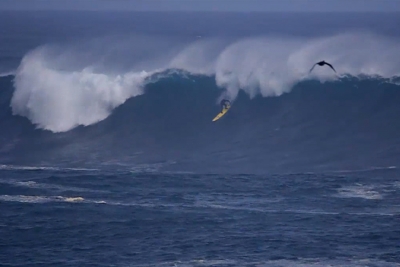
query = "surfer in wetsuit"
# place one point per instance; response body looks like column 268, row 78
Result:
column 225, row 104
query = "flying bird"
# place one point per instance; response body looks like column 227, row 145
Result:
column 321, row 63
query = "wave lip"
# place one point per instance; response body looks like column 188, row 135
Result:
column 58, row 100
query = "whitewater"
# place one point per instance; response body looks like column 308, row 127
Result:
column 61, row 86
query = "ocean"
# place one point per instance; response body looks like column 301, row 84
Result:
column 109, row 156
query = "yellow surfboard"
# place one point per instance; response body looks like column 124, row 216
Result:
column 222, row 113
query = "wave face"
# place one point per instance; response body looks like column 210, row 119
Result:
column 347, row 123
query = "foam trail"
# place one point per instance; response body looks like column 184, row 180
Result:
column 59, row 90
column 359, row 191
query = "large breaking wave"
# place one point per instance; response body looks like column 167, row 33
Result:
column 149, row 102
column 59, row 87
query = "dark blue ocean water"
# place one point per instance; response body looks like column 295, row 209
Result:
column 108, row 156
column 64, row 217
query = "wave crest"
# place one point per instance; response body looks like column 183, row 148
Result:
column 58, row 95
column 60, row 100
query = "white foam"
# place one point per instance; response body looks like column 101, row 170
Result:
column 271, row 65
column 39, row 199
column 73, row 199
column 359, row 191
column 57, row 100
column 257, row 66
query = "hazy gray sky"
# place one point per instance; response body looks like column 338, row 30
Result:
column 206, row 5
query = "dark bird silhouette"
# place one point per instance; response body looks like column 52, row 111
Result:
column 321, row 63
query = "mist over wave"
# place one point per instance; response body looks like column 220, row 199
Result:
column 60, row 87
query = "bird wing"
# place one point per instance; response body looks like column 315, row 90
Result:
column 312, row 67
column 330, row 66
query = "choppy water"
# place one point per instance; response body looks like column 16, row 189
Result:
column 91, row 218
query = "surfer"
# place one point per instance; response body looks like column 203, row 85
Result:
column 225, row 104
column 321, row 63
